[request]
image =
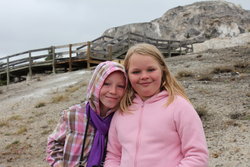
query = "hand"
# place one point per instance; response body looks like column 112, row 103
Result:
column 60, row 164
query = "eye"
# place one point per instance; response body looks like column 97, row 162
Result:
column 151, row 69
column 106, row 84
column 135, row 72
column 121, row 86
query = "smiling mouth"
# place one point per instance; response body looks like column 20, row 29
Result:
column 113, row 98
column 145, row 84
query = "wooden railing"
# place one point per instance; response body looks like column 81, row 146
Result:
column 101, row 49
column 103, row 46
column 40, row 57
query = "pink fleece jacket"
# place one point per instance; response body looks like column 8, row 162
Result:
column 156, row 135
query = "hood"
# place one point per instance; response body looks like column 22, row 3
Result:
column 101, row 72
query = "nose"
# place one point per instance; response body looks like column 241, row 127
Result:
column 113, row 89
column 144, row 75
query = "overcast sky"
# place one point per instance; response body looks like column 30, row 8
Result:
column 33, row 24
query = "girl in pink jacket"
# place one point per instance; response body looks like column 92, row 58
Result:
column 157, row 125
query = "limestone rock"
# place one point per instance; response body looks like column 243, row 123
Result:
column 199, row 21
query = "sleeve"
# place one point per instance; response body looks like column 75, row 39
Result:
column 113, row 157
column 56, row 141
column 191, row 133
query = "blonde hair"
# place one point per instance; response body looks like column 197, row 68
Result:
column 169, row 82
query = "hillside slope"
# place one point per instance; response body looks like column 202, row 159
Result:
column 217, row 82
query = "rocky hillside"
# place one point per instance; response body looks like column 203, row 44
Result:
column 216, row 81
column 199, row 21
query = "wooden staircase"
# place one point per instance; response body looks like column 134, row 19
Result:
column 81, row 55
column 103, row 47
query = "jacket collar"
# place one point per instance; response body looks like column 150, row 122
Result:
column 152, row 99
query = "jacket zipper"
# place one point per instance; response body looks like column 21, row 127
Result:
column 138, row 139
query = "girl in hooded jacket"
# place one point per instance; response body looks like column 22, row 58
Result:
column 157, row 125
column 80, row 137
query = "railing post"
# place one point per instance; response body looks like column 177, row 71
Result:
column 110, row 52
column 169, row 49
column 30, row 65
column 88, row 55
column 53, row 59
column 70, row 57
column 8, row 70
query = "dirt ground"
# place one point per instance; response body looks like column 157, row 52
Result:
column 216, row 80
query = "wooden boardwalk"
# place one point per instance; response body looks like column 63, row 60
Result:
column 80, row 55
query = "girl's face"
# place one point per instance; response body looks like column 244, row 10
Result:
column 145, row 75
column 112, row 91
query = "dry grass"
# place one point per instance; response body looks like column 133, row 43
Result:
column 242, row 67
column 230, row 123
column 51, row 122
column 64, row 96
column 76, row 87
column 202, row 111
column 4, row 123
column 240, row 116
column 15, row 117
column 204, row 91
column 46, row 132
column 72, row 89
column 204, row 77
column 21, row 130
column 40, row 104
column 225, row 69
column 38, row 114
column 216, row 154
column 13, row 144
column 59, row 98
column 184, row 74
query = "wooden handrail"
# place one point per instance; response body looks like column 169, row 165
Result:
column 104, row 46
